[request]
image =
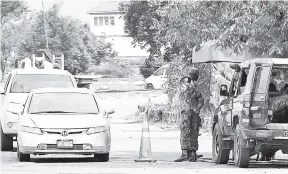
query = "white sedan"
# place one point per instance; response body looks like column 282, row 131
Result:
column 63, row 121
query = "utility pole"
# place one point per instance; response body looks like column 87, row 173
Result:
column 45, row 26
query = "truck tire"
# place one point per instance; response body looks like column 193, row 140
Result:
column 220, row 155
column 6, row 141
column 242, row 154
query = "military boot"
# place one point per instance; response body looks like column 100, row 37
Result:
column 193, row 157
column 184, row 157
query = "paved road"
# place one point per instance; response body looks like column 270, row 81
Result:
column 125, row 146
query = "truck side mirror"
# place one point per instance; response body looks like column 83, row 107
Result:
column 223, row 90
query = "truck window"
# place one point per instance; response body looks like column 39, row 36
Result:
column 261, row 79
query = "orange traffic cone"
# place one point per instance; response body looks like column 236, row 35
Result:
column 145, row 154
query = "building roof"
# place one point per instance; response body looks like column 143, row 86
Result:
column 105, row 7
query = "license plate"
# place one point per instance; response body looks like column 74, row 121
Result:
column 285, row 134
column 65, row 144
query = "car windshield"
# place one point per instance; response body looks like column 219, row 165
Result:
column 24, row 83
column 68, row 102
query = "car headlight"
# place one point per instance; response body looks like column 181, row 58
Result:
column 33, row 130
column 94, row 130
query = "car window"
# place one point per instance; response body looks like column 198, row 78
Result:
column 24, row 83
column 63, row 102
column 261, row 79
column 160, row 72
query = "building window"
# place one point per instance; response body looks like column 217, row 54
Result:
column 95, row 21
column 112, row 22
column 104, row 20
column 101, row 21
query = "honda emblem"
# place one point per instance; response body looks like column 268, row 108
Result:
column 64, row 133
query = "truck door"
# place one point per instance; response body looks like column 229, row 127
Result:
column 259, row 97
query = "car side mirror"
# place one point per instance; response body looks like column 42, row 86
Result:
column 2, row 91
column 109, row 112
column 15, row 109
column 223, row 90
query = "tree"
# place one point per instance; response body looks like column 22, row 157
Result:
column 68, row 36
column 12, row 14
column 257, row 26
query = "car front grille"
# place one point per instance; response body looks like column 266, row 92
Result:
column 75, row 147
column 59, row 131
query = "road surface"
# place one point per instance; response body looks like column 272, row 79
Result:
column 126, row 139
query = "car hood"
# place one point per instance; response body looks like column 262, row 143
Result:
column 63, row 121
column 18, row 98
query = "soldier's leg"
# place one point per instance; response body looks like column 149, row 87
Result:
column 185, row 136
column 194, row 136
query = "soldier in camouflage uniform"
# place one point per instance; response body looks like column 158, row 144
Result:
column 191, row 103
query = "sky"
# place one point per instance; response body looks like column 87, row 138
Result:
column 75, row 8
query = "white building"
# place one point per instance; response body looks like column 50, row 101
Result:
column 106, row 19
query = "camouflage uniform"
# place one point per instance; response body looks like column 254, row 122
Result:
column 191, row 103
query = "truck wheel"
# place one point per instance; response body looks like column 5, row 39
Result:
column 220, row 155
column 6, row 141
column 242, row 154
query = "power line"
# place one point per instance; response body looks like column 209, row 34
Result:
column 45, row 26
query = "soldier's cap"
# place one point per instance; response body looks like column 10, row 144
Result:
column 193, row 71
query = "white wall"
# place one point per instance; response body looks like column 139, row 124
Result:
column 116, row 35
column 117, row 29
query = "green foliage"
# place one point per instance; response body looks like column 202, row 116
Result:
column 261, row 27
column 69, row 36
column 23, row 32
column 12, row 32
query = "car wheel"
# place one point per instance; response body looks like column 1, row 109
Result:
column 150, row 86
column 6, row 142
column 220, row 155
column 242, row 154
column 102, row 157
column 22, row 157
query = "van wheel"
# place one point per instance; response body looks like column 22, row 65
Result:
column 150, row 86
column 242, row 154
column 22, row 157
column 220, row 155
column 6, row 141
column 102, row 157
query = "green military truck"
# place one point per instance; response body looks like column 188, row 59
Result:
column 252, row 118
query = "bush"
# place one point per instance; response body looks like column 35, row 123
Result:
column 113, row 69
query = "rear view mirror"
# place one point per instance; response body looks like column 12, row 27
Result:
column 223, row 90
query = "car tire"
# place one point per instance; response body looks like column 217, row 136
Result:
column 22, row 157
column 242, row 154
column 6, row 141
column 150, row 86
column 220, row 155
column 102, row 157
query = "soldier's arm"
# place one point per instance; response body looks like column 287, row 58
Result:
column 200, row 102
